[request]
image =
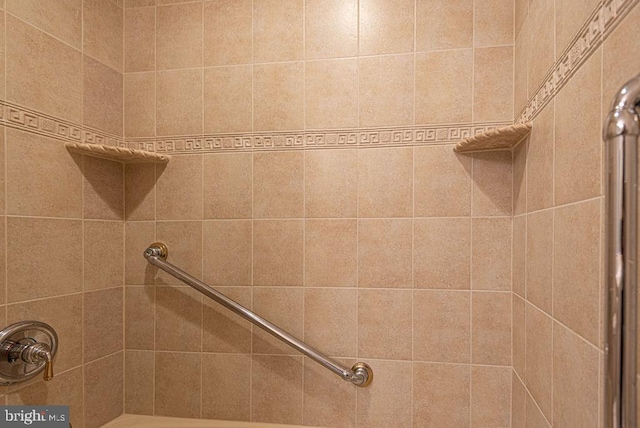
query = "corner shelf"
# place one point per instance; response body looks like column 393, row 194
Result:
column 117, row 154
column 505, row 138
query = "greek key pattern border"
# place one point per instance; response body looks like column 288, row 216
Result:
column 594, row 31
column 25, row 119
column 351, row 138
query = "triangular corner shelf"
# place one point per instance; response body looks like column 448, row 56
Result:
column 504, row 138
column 117, row 154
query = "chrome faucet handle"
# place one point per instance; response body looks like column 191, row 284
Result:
column 26, row 348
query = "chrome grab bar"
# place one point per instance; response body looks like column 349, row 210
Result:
column 360, row 374
column 621, row 133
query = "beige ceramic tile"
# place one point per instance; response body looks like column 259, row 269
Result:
column 378, row 105
column 140, row 39
column 521, row 71
column 179, row 189
column 187, row 380
column 491, row 328
column 137, row 237
column 3, row 264
column 139, row 191
column 227, row 185
column 278, row 254
column 331, row 253
column 331, row 94
column 330, row 320
column 521, row 11
column 184, row 240
column 225, row 332
column 443, row 24
column 278, row 33
column 518, row 338
column 570, row 15
column 576, row 275
column 442, row 253
column 103, row 395
column 54, row 276
column 541, row 46
column 441, row 326
column 179, row 102
column 518, row 397
column 386, row 402
column 441, row 394
column 39, row 64
column 493, row 83
column 328, row 400
column 278, row 184
column 227, row 32
column 278, row 96
column 519, row 260
column 384, row 324
column 3, row 65
column 540, row 259
column 102, row 322
column 227, row 390
column 64, row 314
column 490, row 395
column 179, row 36
column 102, row 97
column 62, row 19
column 533, row 416
column 228, row 99
column 178, row 319
column 519, row 166
column 330, row 183
column 444, row 86
column 285, row 308
column 493, row 22
column 385, row 179
column 138, row 382
column 139, row 316
column 492, row 184
column 227, row 244
column 276, row 389
column 436, row 171
column 539, row 358
column 139, row 3
column 331, row 28
column 103, row 32
column 617, row 46
column 386, row 27
column 579, row 177
column 491, row 257
column 103, row 254
column 43, row 179
column 103, row 189
column 575, row 368
column 384, row 253
column 139, row 105
column 540, row 161
column 66, row 390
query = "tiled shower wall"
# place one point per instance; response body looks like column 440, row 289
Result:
column 397, row 255
column 62, row 228
column 558, row 197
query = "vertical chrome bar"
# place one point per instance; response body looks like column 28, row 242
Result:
column 621, row 132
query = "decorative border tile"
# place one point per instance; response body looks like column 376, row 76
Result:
column 349, row 138
column 25, row 119
column 594, row 31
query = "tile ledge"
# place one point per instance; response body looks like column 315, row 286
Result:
column 117, row 154
column 139, row 421
column 504, row 138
